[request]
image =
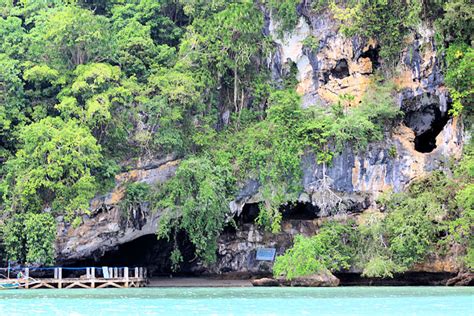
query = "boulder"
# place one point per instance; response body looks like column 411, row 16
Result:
column 265, row 282
column 462, row 279
column 323, row 279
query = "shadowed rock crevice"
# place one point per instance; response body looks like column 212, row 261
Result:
column 403, row 279
column 146, row 251
column 426, row 142
column 341, row 70
column 426, row 115
column 373, row 54
column 249, row 213
column 299, row 211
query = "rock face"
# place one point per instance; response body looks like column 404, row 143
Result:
column 323, row 279
column 265, row 282
column 426, row 139
column 462, row 279
column 107, row 226
column 237, row 250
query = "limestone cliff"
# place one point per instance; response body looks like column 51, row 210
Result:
column 425, row 141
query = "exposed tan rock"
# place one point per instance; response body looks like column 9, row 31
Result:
column 323, row 279
column 265, row 282
column 107, row 227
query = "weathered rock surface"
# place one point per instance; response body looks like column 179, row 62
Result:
column 323, row 279
column 107, row 226
column 462, row 279
column 425, row 141
column 265, row 282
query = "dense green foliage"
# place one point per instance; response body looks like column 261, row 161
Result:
column 406, row 231
column 28, row 238
column 86, row 87
column 193, row 201
column 327, row 250
column 135, row 195
column 387, row 21
column 268, row 151
column 460, row 77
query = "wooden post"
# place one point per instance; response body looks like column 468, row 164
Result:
column 116, row 273
column 60, row 277
column 111, row 271
column 136, row 272
column 93, row 277
column 125, row 275
column 55, row 273
column 27, row 276
column 88, row 273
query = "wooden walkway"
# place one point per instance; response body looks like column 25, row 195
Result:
column 114, row 277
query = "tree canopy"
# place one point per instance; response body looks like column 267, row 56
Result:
column 88, row 88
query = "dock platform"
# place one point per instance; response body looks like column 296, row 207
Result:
column 117, row 277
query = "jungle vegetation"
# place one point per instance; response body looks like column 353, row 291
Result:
column 87, row 86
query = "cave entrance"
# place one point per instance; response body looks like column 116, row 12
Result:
column 299, row 211
column 427, row 121
column 147, row 251
column 341, row 70
column 291, row 211
column 373, row 54
column 426, row 142
column 249, row 213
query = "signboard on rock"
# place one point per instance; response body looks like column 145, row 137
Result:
column 266, row 254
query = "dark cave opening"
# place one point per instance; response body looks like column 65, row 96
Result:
column 341, row 70
column 291, row 211
column 426, row 122
column 373, row 54
column 426, row 142
column 249, row 213
column 146, row 251
column 299, row 211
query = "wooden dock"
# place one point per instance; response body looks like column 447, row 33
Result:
column 112, row 277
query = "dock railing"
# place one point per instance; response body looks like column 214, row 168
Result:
column 79, row 277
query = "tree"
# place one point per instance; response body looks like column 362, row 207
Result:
column 69, row 36
column 12, row 34
column 196, row 201
column 329, row 250
column 228, row 41
column 12, row 108
column 53, row 168
column 159, row 16
column 29, row 238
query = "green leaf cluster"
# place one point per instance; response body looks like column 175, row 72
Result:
column 30, row 238
column 434, row 216
column 327, row 250
column 387, row 21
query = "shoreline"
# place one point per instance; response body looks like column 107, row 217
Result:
column 196, row 282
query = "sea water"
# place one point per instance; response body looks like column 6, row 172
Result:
column 241, row 301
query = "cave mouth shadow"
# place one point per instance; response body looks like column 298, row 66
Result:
column 373, row 53
column 426, row 122
column 341, row 70
column 426, row 142
column 146, row 251
column 289, row 211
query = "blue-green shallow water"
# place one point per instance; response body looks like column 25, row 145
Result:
column 241, row 301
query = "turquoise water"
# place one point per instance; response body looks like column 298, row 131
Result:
column 241, row 301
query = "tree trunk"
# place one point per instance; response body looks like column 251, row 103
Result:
column 236, row 78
